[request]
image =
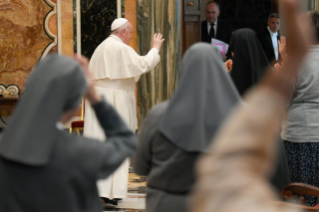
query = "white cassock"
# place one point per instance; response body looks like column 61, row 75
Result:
column 115, row 67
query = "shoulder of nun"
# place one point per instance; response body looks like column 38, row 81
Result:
column 159, row 109
column 157, row 112
column 154, row 117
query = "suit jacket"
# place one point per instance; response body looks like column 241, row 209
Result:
column 223, row 32
column 266, row 43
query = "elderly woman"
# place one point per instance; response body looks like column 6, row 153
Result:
column 300, row 128
column 42, row 167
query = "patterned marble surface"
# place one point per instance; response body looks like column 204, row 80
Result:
column 96, row 19
column 67, row 27
column 22, row 39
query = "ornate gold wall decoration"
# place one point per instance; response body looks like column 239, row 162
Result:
column 23, row 38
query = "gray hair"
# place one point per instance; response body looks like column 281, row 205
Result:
column 213, row 2
column 273, row 15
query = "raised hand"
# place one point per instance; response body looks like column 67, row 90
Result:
column 157, row 41
column 282, row 48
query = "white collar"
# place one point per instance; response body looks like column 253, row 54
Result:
column 215, row 23
column 116, row 38
column 272, row 33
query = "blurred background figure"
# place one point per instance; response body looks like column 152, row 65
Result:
column 300, row 130
column 249, row 60
column 269, row 38
column 214, row 28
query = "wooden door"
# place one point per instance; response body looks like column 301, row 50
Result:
column 191, row 23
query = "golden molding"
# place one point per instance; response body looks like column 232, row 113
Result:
column 47, row 30
column 316, row 4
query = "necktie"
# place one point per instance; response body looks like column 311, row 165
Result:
column 212, row 31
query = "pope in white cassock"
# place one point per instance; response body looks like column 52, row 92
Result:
column 116, row 67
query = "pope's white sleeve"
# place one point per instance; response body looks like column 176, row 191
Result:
column 137, row 78
column 143, row 64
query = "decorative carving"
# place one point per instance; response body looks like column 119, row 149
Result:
column 2, row 89
column 13, row 90
column 23, row 38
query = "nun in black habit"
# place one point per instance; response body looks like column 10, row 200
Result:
column 42, row 167
column 249, row 60
column 249, row 65
column 176, row 132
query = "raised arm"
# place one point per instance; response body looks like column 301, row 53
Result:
column 142, row 64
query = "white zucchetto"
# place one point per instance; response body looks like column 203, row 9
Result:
column 117, row 23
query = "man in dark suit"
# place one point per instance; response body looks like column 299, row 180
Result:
column 269, row 38
column 214, row 28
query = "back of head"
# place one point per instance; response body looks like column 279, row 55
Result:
column 203, row 98
column 56, row 85
column 250, row 61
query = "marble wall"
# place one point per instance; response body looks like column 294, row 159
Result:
column 159, row 16
column 22, row 39
column 96, row 19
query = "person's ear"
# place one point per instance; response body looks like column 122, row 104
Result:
column 123, row 31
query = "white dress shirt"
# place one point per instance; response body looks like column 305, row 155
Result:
column 215, row 27
column 274, row 40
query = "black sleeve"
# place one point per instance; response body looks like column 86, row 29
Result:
column 229, row 33
column 121, row 142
